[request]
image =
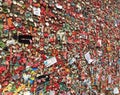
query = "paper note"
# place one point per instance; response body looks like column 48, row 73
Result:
column 72, row 61
column 0, row 86
column 109, row 79
column 27, row 93
column 10, row 42
column 59, row 6
column 83, row 36
column 116, row 90
column 50, row 62
column 52, row 93
column 99, row 42
column 36, row 11
column 88, row 57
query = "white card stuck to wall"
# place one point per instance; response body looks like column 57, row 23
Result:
column 50, row 61
column 88, row 57
column 36, row 11
column 52, row 92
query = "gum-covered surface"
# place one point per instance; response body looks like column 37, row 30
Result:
column 59, row 47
